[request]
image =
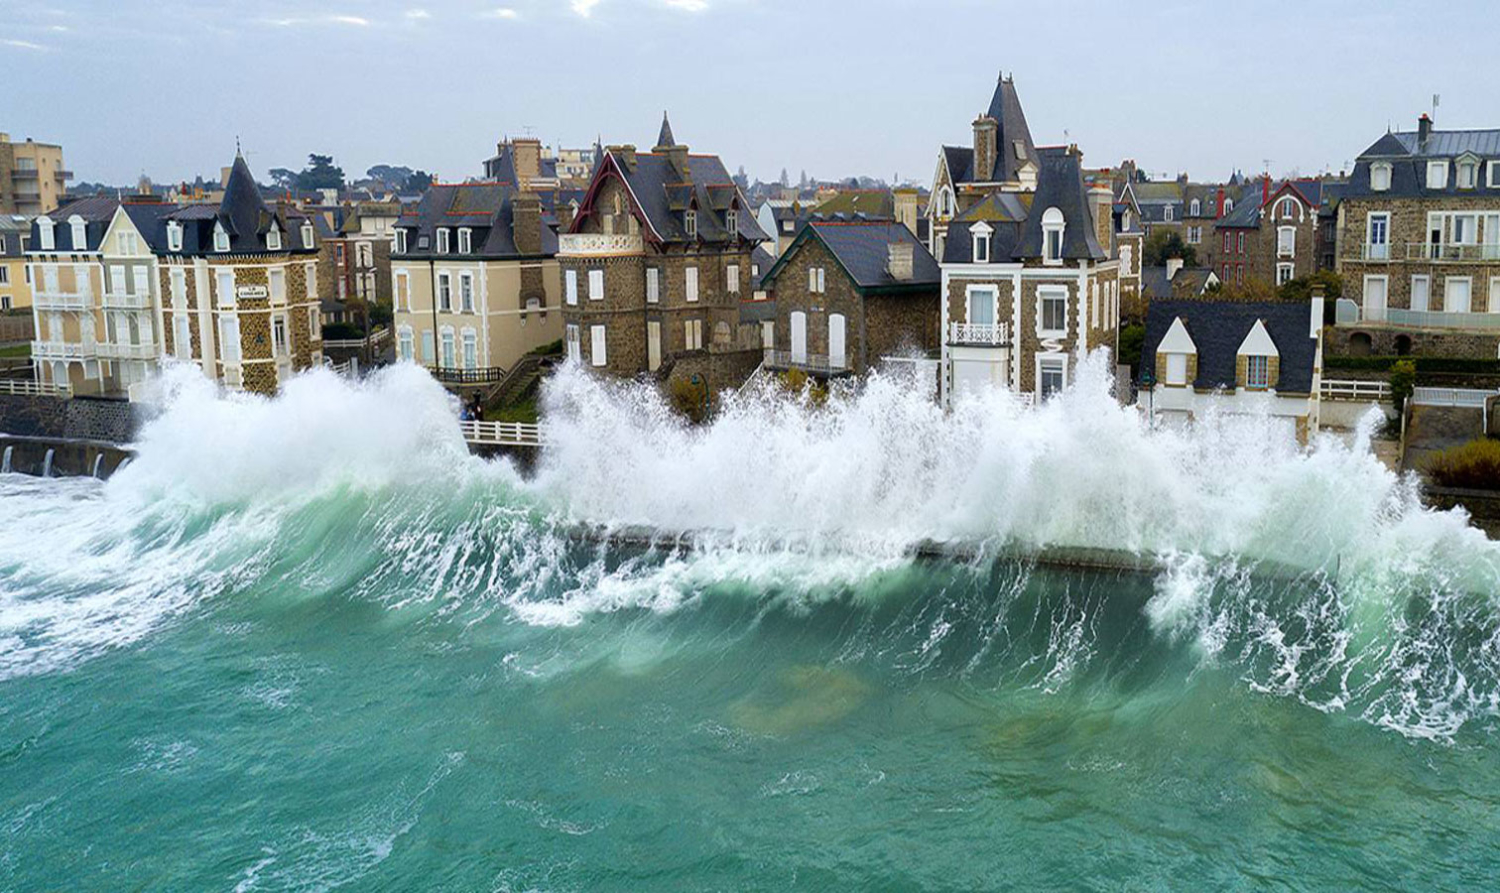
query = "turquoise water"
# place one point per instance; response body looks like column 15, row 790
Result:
column 424, row 681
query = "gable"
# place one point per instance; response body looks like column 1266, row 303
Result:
column 1177, row 339
column 1258, row 343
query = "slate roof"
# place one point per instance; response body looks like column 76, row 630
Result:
column 1245, row 215
column 96, row 212
column 862, row 249
column 501, row 166
column 1408, row 162
column 763, row 260
column 243, row 213
column 1188, row 281
column 485, row 208
column 663, row 197
column 1218, row 328
column 12, row 227
column 1059, row 185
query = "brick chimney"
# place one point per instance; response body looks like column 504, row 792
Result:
column 905, row 201
column 1265, row 189
column 985, row 128
column 526, row 222
column 899, row 260
column 1174, row 266
column 1219, row 207
column 625, row 155
column 1424, row 130
column 526, row 153
column 1101, row 203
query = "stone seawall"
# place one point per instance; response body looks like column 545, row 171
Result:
column 69, row 458
column 79, row 418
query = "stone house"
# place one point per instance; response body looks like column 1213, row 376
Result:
column 1419, row 243
column 359, row 251
column 657, row 261
column 475, row 279
column 1233, row 356
column 1174, row 281
column 1273, row 237
column 849, row 293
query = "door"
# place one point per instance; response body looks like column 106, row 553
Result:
column 1456, row 295
column 1375, row 298
column 1420, row 290
column 653, row 344
column 799, row 337
column 837, row 358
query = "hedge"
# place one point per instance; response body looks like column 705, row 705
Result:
column 1424, row 364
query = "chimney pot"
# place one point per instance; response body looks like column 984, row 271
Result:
column 985, row 150
column 899, row 260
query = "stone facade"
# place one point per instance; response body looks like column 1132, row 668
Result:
column 1408, row 253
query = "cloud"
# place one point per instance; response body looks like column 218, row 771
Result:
column 22, row 44
column 325, row 20
column 505, row 12
column 418, row 14
column 584, row 8
column 688, row 5
column 349, row 20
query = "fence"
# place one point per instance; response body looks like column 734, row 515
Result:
column 24, row 388
column 377, row 337
column 502, row 433
column 1355, row 390
column 1465, row 397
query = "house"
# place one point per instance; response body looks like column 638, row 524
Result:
column 15, row 280
column 848, row 293
column 1029, row 266
column 657, row 262
column 475, row 279
column 1175, row 281
column 1233, row 356
column 33, row 178
column 1272, row 235
column 1419, row 244
column 359, row 249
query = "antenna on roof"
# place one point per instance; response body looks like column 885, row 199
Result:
column 1435, row 100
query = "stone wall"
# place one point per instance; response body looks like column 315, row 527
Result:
column 84, row 418
column 1388, row 341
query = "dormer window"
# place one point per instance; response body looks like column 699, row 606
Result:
column 174, row 236
column 273, row 238
column 221, row 237
column 442, row 240
column 1468, row 173
column 981, row 243
column 690, row 223
column 400, row 246
column 1166, row 213
column 1380, row 177
column 45, row 232
column 80, row 233
column 465, row 240
column 1125, row 221
column 1228, row 205
column 1052, row 236
column 1437, row 175
column 732, row 222
column 307, row 235
column 1494, row 174
column 1197, row 208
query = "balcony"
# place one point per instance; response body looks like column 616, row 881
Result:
column 1438, row 319
column 62, row 175
column 24, row 174
column 1378, row 253
column 124, row 301
column 979, row 334
column 598, row 245
column 107, row 351
column 60, row 350
column 60, row 301
column 1461, row 254
column 811, row 363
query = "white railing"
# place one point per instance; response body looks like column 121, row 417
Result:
column 59, row 350
column 1466, row 397
column 1355, row 390
column 58, row 301
column 1367, row 251
column 598, row 243
column 111, row 351
column 23, row 388
column 375, row 340
column 807, row 362
column 502, row 433
column 1438, row 251
column 1438, row 319
column 991, row 334
column 126, row 300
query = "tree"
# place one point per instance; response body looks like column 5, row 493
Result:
column 1252, row 289
column 1300, row 289
column 320, row 173
column 393, row 176
column 1165, row 244
column 419, row 181
column 282, row 178
column 802, row 181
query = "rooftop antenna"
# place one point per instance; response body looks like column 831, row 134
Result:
column 1436, row 99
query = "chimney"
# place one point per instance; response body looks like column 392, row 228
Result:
column 526, row 222
column 1265, row 189
column 1219, row 206
column 1182, row 180
column 565, row 215
column 984, row 148
column 1174, row 266
column 527, row 158
column 1317, row 311
column 905, row 201
column 899, row 260
column 1424, row 130
column 1101, row 202
column 625, row 155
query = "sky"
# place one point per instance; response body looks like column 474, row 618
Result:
column 867, row 87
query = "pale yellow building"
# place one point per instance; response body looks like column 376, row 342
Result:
column 33, row 179
column 15, row 282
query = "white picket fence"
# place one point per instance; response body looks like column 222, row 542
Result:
column 1466, row 397
column 1355, row 390
column 377, row 338
column 28, row 388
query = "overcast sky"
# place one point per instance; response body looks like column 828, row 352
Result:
column 838, row 88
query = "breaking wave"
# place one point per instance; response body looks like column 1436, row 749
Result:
column 365, row 490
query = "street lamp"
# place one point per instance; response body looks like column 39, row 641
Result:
column 1148, row 381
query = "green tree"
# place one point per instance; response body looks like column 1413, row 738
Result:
column 394, row 176
column 1300, row 289
column 419, row 181
column 1403, row 381
column 1165, row 244
column 1132, row 339
column 320, row 173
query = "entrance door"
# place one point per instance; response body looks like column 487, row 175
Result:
column 799, row 337
column 837, row 356
column 1375, row 298
column 1456, row 295
column 653, row 344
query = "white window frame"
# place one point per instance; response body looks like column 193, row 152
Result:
column 442, row 240
column 1364, row 296
column 466, row 292
column 281, row 342
column 178, row 278
column 469, row 348
column 1472, row 169
column 1044, row 293
column 1195, row 235
column 732, row 278
column 182, row 336
column 596, row 284
column 402, row 286
column 273, row 238
column 692, row 334
column 980, row 247
column 1054, row 224
column 1426, row 282
column 1380, row 176
column 1176, row 372
column 221, row 237
column 231, row 350
column 732, row 222
column 1437, row 174
column 307, row 235
column 276, row 285
column 1494, row 174
column 1448, row 283
column 314, row 323
column 690, row 284
column 310, row 277
column 46, row 231
column 445, row 292
column 1286, row 241
column 598, row 345
column 465, row 240
column 1384, row 218
column 400, row 241
column 174, row 236
column 572, row 342
column 226, row 293
column 1285, row 273
column 690, row 223
column 447, row 347
column 406, row 343
column 653, row 285
column 1196, row 208
column 1059, row 361
column 80, row 232
column 570, row 287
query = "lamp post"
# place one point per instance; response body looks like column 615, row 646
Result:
column 1148, row 381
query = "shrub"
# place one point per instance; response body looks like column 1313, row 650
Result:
column 548, row 349
column 1474, row 465
column 686, row 397
column 341, row 331
column 1403, row 379
column 1132, row 339
column 1424, row 364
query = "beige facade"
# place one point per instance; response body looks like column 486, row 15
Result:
column 33, row 179
column 479, row 322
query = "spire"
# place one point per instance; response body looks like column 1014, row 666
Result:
column 665, row 139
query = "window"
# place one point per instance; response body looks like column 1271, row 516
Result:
column 572, row 342
column 466, row 292
column 400, row 246
column 445, row 291
column 442, row 240
column 1052, row 235
column 1457, row 294
column 404, row 343
column 116, row 279
column 471, row 349
column 314, row 324
column 307, row 235
column 279, row 344
column 1051, row 376
column 1374, row 302
column 1437, row 175
column 981, row 247
column 1468, row 174
column 690, row 223
column 82, row 280
column 1052, row 311
column 653, row 284
column 179, row 288
column 732, row 278
column 1494, row 179
column 310, row 276
column 598, row 354
column 276, row 280
column 692, row 334
column 1176, row 369
column 1286, row 209
column 1377, row 237
column 1380, row 177
column 273, row 242
column 1257, row 371
column 1421, row 292
column 80, row 233
column 4, row 275
column 229, row 339
column 596, row 285
column 1286, row 241
column 129, row 244
column 570, row 286
column 224, row 279
column 221, row 237
column 768, row 334
column 982, row 301
column 141, row 281
column 403, row 290
column 1240, row 244
column 786, row 226
column 445, row 338
column 1285, row 273
column 44, row 228
column 182, row 337
column 732, row 222
column 465, row 240
column 1228, row 242
column 428, row 348
column 1166, row 213
column 1196, row 209
column 1195, row 235
column 690, row 283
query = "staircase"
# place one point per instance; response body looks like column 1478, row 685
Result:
column 517, row 382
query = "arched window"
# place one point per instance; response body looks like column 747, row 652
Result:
column 221, row 237
column 1197, row 208
column 80, row 233
column 1053, row 225
column 1286, row 209
column 45, row 232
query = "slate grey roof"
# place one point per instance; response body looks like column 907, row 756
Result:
column 863, row 250
column 96, row 212
column 1451, row 143
column 242, row 212
column 485, row 208
column 663, row 197
column 761, row 262
column 1005, row 108
column 664, row 136
column 1059, row 185
column 1408, row 162
column 501, row 167
column 1189, row 280
column 12, row 228
column 1246, row 215
column 1218, row 328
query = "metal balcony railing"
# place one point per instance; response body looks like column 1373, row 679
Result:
column 816, row 364
column 1435, row 251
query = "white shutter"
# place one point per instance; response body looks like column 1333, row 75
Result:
column 596, row 285
column 799, row 336
column 653, row 284
column 734, row 278
column 837, row 357
column 692, row 283
column 597, row 352
column 570, row 280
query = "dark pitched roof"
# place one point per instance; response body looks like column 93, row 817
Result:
column 1408, row 160
column 664, row 198
column 1188, row 281
column 1246, row 215
column 487, row 209
column 761, row 262
column 960, row 161
column 863, row 250
column 664, row 137
column 1005, row 108
column 96, row 212
column 501, row 167
column 1059, row 185
column 1218, row 328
